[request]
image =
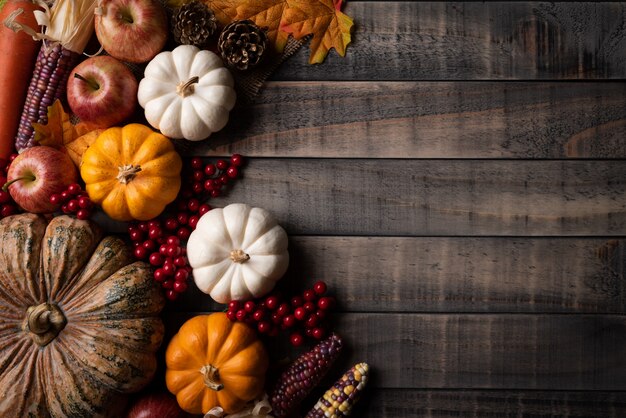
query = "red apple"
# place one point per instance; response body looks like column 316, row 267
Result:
column 102, row 91
column 132, row 30
column 37, row 173
column 152, row 405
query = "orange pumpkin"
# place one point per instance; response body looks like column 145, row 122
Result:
column 132, row 172
column 212, row 361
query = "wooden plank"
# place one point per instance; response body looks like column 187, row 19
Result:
column 383, row 274
column 428, row 120
column 474, row 41
column 394, row 403
column 480, row 351
column 438, row 197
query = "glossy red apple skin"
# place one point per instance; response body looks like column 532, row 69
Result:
column 158, row 404
column 132, row 30
column 106, row 96
column 52, row 170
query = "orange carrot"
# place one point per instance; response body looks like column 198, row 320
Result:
column 18, row 52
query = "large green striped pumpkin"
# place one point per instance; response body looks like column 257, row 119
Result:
column 79, row 324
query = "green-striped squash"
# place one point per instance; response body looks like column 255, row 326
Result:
column 79, row 322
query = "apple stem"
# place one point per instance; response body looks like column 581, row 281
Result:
column 184, row 89
column 92, row 83
column 8, row 183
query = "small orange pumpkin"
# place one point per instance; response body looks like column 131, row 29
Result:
column 132, row 172
column 212, row 361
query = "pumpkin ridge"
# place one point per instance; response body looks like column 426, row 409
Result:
column 242, row 229
column 20, row 376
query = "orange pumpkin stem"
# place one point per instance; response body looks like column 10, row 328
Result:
column 239, row 256
column 44, row 322
column 211, row 377
column 127, row 173
column 184, row 89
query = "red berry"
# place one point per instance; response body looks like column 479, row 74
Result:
column 300, row 313
column 7, row 209
column 232, row 172
column 168, row 284
column 198, row 175
column 193, row 205
column 309, row 306
column 74, row 189
column 163, row 249
column 318, row 333
column 283, row 309
column 215, row 193
column 183, row 233
column 173, row 240
column 12, row 157
column 221, row 164
column 232, row 315
column 181, row 275
column 159, row 276
column 209, row 185
column 236, row 160
column 224, row 179
column 55, row 198
column 196, row 163
column 241, row 315
column 296, row 339
column 325, row 303
column 182, row 217
column 171, row 294
column 65, row 195
column 258, row 315
column 193, row 221
column 85, row 202
column 83, row 214
column 180, row 261
column 308, row 332
column 155, row 232
column 168, row 269
column 141, row 252
column 321, row 314
column 172, row 250
column 156, row 259
column 180, row 287
column 271, row 302
column 234, row 305
column 135, row 234
column 289, row 321
column 72, row 205
column 154, row 223
column 149, row 245
column 297, row 301
column 143, row 226
column 311, row 321
column 319, row 288
column 276, row 319
column 64, row 209
column 309, row 295
column 198, row 188
column 249, row 306
column 264, row 327
column 171, row 224
column 203, row 209
column 210, row 169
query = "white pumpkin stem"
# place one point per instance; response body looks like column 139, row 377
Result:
column 211, row 377
column 184, row 89
column 239, row 256
column 44, row 322
column 127, row 173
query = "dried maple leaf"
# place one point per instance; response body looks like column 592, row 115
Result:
column 225, row 10
column 322, row 18
column 266, row 14
column 77, row 148
column 60, row 133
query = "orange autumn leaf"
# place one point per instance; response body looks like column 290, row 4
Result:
column 266, row 14
column 225, row 10
column 77, row 148
column 60, row 133
column 322, row 18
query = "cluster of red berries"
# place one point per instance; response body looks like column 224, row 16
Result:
column 303, row 315
column 8, row 206
column 162, row 241
column 74, row 200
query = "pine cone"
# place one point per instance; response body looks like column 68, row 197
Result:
column 242, row 44
column 193, row 24
column 303, row 375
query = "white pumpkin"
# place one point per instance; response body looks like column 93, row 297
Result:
column 187, row 93
column 237, row 253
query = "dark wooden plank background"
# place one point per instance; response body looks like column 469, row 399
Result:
column 459, row 181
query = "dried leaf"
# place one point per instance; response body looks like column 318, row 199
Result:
column 266, row 14
column 77, row 148
column 322, row 18
column 225, row 10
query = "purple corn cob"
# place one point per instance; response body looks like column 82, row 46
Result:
column 303, row 375
column 338, row 401
column 48, row 83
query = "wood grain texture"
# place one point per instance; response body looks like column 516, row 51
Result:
column 438, row 197
column 480, row 351
column 428, row 120
column 391, row 274
column 474, row 41
column 394, row 403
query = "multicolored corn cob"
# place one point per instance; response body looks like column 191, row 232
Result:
column 48, row 83
column 303, row 375
column 338, row 401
